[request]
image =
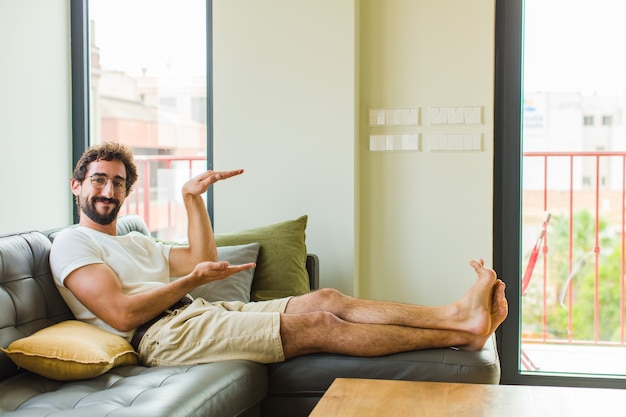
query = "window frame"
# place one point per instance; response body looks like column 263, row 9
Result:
column 80, row 54
column 507, row 203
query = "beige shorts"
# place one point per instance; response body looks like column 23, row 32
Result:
column 204, row 332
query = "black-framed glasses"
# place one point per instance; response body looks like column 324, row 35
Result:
column 98, row 181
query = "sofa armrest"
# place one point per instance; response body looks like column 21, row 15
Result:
column 313, row 268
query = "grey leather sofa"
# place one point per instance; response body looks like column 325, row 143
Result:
column 29, row 302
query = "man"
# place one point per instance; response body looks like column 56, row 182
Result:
column 120, row 283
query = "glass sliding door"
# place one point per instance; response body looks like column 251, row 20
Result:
column 574, row 147
column 568, row 202
column 146, row 87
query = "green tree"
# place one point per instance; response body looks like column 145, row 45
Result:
column 579, row 276
column 609, row 295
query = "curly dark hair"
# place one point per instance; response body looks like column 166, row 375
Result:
column 107, row 151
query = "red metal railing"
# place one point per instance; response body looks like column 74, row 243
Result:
column 154, row 195
column 565, row 183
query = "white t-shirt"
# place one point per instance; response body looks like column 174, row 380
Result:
column 139, row 261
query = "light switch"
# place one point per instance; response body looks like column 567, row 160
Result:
column 389, row 143
column 467, row 114
column 376, row 117
column 468, row 142
column 451, row 115
column 477, row 142
column 476, row 116
column 414, row 116
column 394, row 142
column 382, row 143
column 454, row 142
column 395, row 118
column 410, row 142
column 437, row 142
column 373, row 143
column 378, row 143
column 404, row 116
column 459, row 115
column 458, row 142
column 409, row 117
column 434, row 116
column 389, row 117
column 443, row 115
column 398, row 142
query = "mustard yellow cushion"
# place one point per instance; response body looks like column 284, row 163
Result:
column 71, row 350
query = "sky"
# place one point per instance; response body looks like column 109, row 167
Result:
column 569, row 45
column 166, row 37
column 575, row 45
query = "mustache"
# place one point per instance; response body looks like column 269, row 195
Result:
column 106, row 200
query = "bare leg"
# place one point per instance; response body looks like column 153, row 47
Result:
column 471, row 313
column 327, row 321
column 321, row 331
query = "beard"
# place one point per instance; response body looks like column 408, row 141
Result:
column 89, row 208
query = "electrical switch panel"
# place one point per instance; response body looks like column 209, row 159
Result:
column 394, row 129
column 455, row 142
column 394, row 117
column 399, row 142
column 467, row 115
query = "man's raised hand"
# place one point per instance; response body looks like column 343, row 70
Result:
column 200, row 183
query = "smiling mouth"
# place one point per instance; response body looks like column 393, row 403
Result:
column 106, row 200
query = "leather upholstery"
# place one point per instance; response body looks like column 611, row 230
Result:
column 29, row 301
column 219, row 389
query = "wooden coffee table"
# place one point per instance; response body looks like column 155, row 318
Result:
column 375, row 398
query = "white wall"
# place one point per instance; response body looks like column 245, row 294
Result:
column 35, row 116
column 287, row 110
column 284, row 79
column 425, row 214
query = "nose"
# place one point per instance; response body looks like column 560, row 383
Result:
column 108, row 190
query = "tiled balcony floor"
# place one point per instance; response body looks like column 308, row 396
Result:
column 578, row 359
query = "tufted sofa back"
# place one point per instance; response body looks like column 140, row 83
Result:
column 29, row 300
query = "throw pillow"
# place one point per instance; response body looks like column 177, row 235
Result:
column 281, row 265
column 237, row 286
column 71, row 350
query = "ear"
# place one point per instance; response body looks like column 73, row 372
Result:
column 75, row 187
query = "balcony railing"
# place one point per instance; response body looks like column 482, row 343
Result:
column 577, row 294
column 157, row 197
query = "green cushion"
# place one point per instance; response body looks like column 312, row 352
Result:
column 281, row 264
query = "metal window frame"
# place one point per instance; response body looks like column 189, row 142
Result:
column 79, row 35
column 508, row 202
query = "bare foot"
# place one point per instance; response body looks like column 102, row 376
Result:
column 499, row 306
column 473, row 311
column 499, row 312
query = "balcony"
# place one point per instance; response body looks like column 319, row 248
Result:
column 157, row 196
column 573, row 308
